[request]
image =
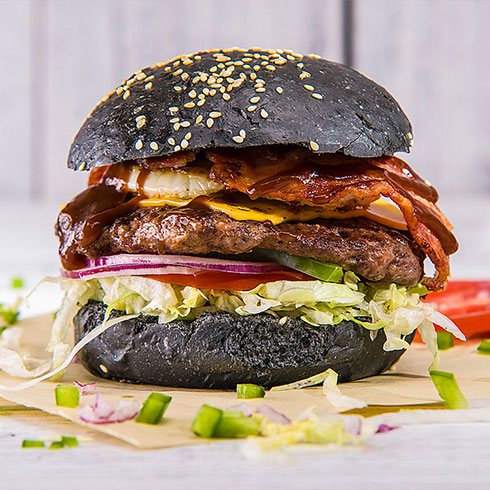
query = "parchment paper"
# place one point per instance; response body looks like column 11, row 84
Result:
column 408, row 384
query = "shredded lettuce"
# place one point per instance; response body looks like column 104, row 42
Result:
column 397, row 310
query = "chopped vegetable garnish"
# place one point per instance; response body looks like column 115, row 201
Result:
column 69, row 441
column 234, row 425
column 448, row 389
column 29, row 443
column 445, row 340
column 303, row 383
column 67, row 396
column 9, row 314
column 321, row 270
column 484, row 347
column 17, row 282
column 56, row 445
column 153, row 408
column 249, row 390
column 206, row 421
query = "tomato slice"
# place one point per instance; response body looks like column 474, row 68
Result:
column 467, row 304
column 228, row 280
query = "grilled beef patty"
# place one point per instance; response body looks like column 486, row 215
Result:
column 369, row 249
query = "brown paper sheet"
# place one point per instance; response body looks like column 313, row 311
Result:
column 407, row 384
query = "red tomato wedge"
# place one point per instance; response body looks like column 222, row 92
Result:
column 228, row 280
column 467, row 304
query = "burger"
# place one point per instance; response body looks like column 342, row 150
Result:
column 245, row 221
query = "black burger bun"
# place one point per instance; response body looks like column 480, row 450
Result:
column 237, row 98
column 219, row 350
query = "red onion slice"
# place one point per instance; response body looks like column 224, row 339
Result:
column 236, row 266
column 385, row 428
column 242, row 407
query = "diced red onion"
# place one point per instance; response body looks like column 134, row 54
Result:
column 385, row 428
column 103, row 412
column 87, row 389
column 272, row 415
column 242, row 407
column 147, row 264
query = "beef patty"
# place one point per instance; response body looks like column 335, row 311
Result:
column 369, row 249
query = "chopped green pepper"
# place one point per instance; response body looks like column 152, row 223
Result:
column 484, row 347
column 249, row 390
column 67, row 396
column 69, row 441
column 16, row 282
column 448, row 389
column 56, row 445
column 206, row 421
column 27, row 443
column 232, row 427
column 445, row 340
column 153, row 409
column 320, row 270
column 9, row 314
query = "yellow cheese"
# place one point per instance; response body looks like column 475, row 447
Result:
column 278, row 212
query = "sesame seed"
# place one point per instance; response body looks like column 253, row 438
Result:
column 203, row 77
column 103, row 368
column 173, row 109
column 185, row 124
column 177, row 148
column 151, row 77
column 254, row 100
column 148, row 85
column 212, row 92
column 176, row 126
column 222, row 89
column 309, row 87
column 200, row 102
column 251, row 108
column 184, row 76
column 192, row 93
column 188, row 136
column 196, row 79
column 213, row 69
column 264, row 113
column 270, row 67
column 140, row 123
column 317, row 96
column 300, row 65
column 140, row 76
column 189, row 105
column 199, row 119
column 138, row 145
column 177, row 63
column 154, row 145
column 171, row 141
column 201, row 96
column 209, row 122
column 290, row 58
column 247, row 66
column 304, row 74
column 263, row 63
column 126, row 94
column 184, row 144
column 174, row 120
column 119, row 90
column 314, row 145
column 242, row 133
column 215, row 114
column 167, row 68
column 178, row 72
column 253, row 76
column 237, row 139
column 178, row 89
column 226, row 96
column 205, row 91
column 260, row 89
column 279, row 90
column 256, row 67
column 216, row 85
column 257, row 56
column 83, row 165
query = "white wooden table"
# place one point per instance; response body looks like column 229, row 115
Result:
column 450, row 456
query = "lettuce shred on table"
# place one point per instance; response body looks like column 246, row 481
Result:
column 397, row 310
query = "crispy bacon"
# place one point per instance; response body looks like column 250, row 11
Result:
column 337, row 181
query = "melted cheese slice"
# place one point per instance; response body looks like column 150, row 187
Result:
column 277, row 212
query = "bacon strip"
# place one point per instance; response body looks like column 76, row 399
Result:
column 335, row 181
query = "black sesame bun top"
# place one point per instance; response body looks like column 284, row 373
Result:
column 236, row 98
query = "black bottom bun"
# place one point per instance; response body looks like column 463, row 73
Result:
column 219, row 350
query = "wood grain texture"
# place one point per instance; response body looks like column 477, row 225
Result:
column 14, row 98
column 434, row 57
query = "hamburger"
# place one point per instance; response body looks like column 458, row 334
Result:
column 245, row 221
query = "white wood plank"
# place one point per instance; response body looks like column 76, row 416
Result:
column 433, row 56
column 14, row 99
column 79, row 75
